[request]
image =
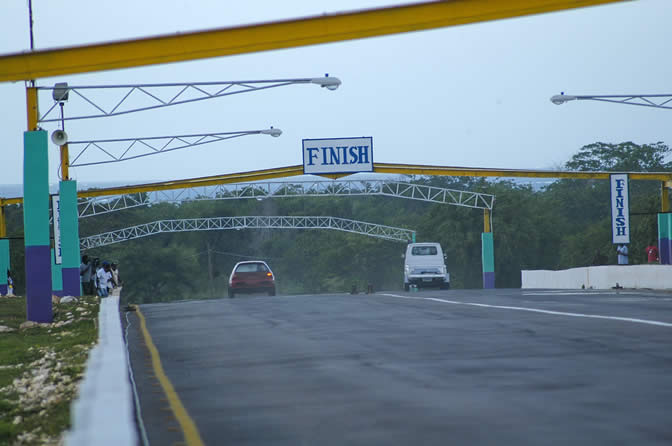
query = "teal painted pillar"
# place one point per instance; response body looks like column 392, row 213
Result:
column 488, row 259
column 4, row 265
column 56, row 277
column 36, row 226
column 665, row 238
column 69, row 223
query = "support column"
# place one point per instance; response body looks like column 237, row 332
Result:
column 488, row 252
column 36, row 226
column 70, row 239
column 56, row 276
column 665, row 238
column 4, row 265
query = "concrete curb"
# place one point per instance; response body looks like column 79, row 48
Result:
column 103, row 412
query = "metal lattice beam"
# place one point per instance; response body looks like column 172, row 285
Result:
column 100, row 205
column 642, row 100
column 124, row 99
column 258, row 222
column 132, row 148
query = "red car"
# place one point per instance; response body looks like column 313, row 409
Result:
column 251, row 277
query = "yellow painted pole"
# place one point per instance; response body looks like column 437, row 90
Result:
column 486, row 220
column 293, row 33
column 664, row 197
column 31, row 105
column 65, row 162
column 3, row 224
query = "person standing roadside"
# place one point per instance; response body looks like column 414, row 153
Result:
column 652, row 253
column 622, row 251
column 93, row 286
column 115, row 275
column 85, row 272
column 10, row 284
column 103, row 275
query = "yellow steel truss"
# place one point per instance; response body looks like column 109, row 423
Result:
column 407, row 169
column 271, row 36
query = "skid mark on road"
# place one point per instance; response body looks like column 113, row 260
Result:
column 537, row 310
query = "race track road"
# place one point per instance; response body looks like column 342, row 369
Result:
column 486, row 367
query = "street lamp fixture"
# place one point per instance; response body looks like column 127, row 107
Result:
column 561, row 98
column 330, row 83
column 272, row 131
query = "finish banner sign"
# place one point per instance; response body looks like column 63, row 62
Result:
column 56, row 215
column 620, row 208
column 339, row 155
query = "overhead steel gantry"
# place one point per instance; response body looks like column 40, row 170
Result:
column 268, row 36
column 401, row 169
column 91, row 206
column 271, row 36
column 260, row 222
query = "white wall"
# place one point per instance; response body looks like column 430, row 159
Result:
column 657, row 277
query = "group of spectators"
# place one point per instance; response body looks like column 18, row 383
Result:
column 652, row 255
column 98, row 277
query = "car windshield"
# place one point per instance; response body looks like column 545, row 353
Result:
column 251, row 268
column 424, row 251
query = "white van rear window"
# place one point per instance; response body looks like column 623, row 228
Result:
column 423, row 251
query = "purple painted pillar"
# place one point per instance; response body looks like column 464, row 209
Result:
column 36, row 226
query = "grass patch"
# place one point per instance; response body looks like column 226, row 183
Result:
column 40, row 368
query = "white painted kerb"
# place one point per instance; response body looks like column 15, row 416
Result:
column 656, row 277
column 103, row 412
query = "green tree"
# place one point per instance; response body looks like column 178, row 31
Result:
column 625, row 156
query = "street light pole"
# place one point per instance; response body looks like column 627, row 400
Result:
column 167, row 94
column 157, row 144
column 663, row 101
column 642, row 100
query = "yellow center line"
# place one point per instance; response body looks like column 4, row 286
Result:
column 189, row 429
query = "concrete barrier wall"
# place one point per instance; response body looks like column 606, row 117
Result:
column 103, row 412
column 657, row 277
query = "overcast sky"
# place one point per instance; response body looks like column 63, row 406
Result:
column 475, row 95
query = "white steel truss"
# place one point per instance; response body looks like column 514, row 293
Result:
column 259, row 222
column 319, row 188
column 123, row 99
column 642, row 100
column 122, row 149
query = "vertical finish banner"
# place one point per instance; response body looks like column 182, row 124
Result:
column 56, row 217
column 620, row 208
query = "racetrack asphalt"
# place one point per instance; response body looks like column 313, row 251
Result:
column 400, row 368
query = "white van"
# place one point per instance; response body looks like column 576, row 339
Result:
column 424, row 265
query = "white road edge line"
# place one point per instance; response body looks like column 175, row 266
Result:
column 536, row 310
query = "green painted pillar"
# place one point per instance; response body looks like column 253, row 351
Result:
column 488, row 259
column 69, row 224
column 4, row 265
column 56, row 277
column 36, row 226
column 665, row 238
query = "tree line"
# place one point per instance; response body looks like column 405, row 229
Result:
column 562, row 225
